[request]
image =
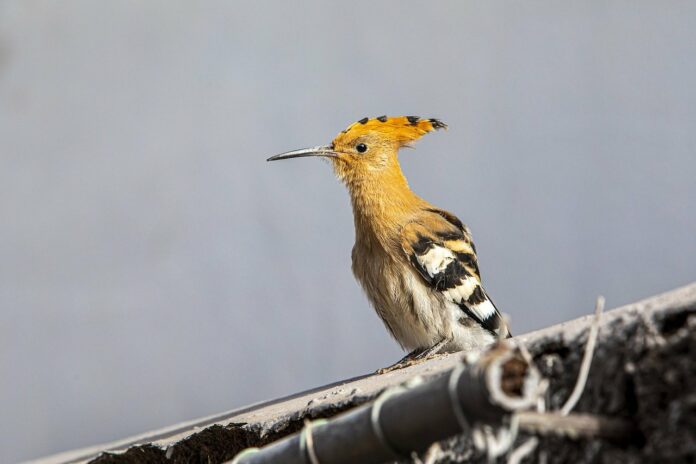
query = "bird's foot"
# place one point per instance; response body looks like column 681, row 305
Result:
column 409, row 360
column 416, row 356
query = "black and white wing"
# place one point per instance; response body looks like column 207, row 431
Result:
column 440, row 248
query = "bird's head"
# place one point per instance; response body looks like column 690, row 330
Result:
column 369, row 147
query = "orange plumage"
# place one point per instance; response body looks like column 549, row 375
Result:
column 400, row 130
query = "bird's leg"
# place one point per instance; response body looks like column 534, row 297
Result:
column 433, row 350
column 403, row 362
column 414, row 357
column 415, row 354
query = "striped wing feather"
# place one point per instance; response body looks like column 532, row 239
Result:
column 440, row 248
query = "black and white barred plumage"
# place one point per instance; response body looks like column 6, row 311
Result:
column 445, row 256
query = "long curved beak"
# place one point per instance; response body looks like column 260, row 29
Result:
column 324, row 150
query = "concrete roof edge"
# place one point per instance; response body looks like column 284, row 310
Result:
column 368, row 385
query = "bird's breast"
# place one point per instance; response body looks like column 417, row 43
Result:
column 410, row 310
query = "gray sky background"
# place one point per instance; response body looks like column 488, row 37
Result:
column 154, row 268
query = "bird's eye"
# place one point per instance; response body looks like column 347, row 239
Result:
column 361, row 147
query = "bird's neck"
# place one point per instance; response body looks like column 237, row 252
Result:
column 382, row 202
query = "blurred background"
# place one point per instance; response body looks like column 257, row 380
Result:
column 154, row 268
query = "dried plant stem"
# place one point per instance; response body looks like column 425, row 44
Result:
column 586, row 359
column 575, row 425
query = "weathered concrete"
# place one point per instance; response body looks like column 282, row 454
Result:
column 643, row 370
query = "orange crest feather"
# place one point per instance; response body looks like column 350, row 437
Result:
column 401, row 129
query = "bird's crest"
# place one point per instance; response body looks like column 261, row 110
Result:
column 401, row 129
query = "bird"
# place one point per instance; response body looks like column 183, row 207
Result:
column 416, row 262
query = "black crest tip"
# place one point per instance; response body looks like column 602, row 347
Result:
column 437, row 124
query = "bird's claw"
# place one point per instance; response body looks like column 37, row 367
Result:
column 413, row 358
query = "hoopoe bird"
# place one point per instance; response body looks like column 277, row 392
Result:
column 417, row 263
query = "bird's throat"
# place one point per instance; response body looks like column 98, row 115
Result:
column 382, row 203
